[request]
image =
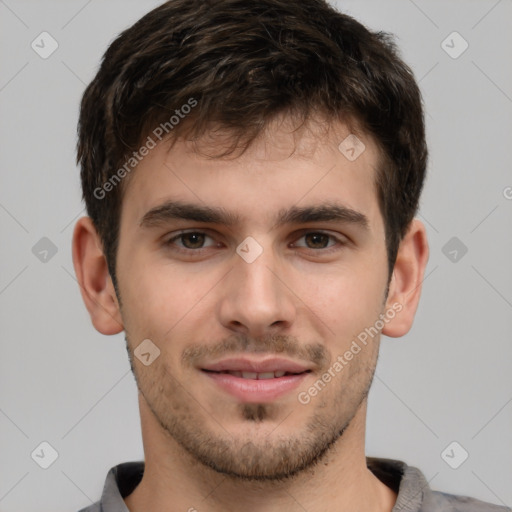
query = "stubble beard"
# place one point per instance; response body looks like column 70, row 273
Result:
column 268, row 458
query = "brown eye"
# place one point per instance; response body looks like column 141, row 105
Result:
column 317, row 240
column 192, row 240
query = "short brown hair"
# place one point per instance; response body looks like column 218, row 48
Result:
column 243, row 63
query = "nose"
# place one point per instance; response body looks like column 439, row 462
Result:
column 255, row 298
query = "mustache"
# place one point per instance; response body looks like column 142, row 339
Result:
column 239, row 344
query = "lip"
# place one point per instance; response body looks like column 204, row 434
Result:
column 242, row 364
column 253, row 390
column 256, row 390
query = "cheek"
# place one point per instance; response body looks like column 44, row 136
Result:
column 344, row 300
column 162, row 298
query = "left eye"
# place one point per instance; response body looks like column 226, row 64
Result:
column 318, row 240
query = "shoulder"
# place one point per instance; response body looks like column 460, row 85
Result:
column 444, row 502
column 415, row 495
column 95, row 507
column 121, row 480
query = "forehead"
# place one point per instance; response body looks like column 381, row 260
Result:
column 284, row 166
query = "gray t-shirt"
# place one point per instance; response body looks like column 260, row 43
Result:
column 414, row 493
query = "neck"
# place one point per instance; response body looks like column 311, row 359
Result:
column 174, row 480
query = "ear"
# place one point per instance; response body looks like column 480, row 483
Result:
column 408, row 274
column 96, row 285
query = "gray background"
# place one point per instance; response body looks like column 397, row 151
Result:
column 447, row 380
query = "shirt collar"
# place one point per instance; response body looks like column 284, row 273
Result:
column 407, row 481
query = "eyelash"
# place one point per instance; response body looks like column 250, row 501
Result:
column 339, row 243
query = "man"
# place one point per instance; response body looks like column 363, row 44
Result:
column 251, row 172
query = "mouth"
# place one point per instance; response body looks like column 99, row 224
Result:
column 256, row 381
column 257, row 376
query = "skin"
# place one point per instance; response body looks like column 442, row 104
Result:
column 304, row 298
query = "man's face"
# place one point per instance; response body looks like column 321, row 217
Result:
column 292, row 299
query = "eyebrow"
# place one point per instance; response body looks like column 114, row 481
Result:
column 325, row 212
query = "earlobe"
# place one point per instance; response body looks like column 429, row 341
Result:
column 406, row 281
column 94, row 279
